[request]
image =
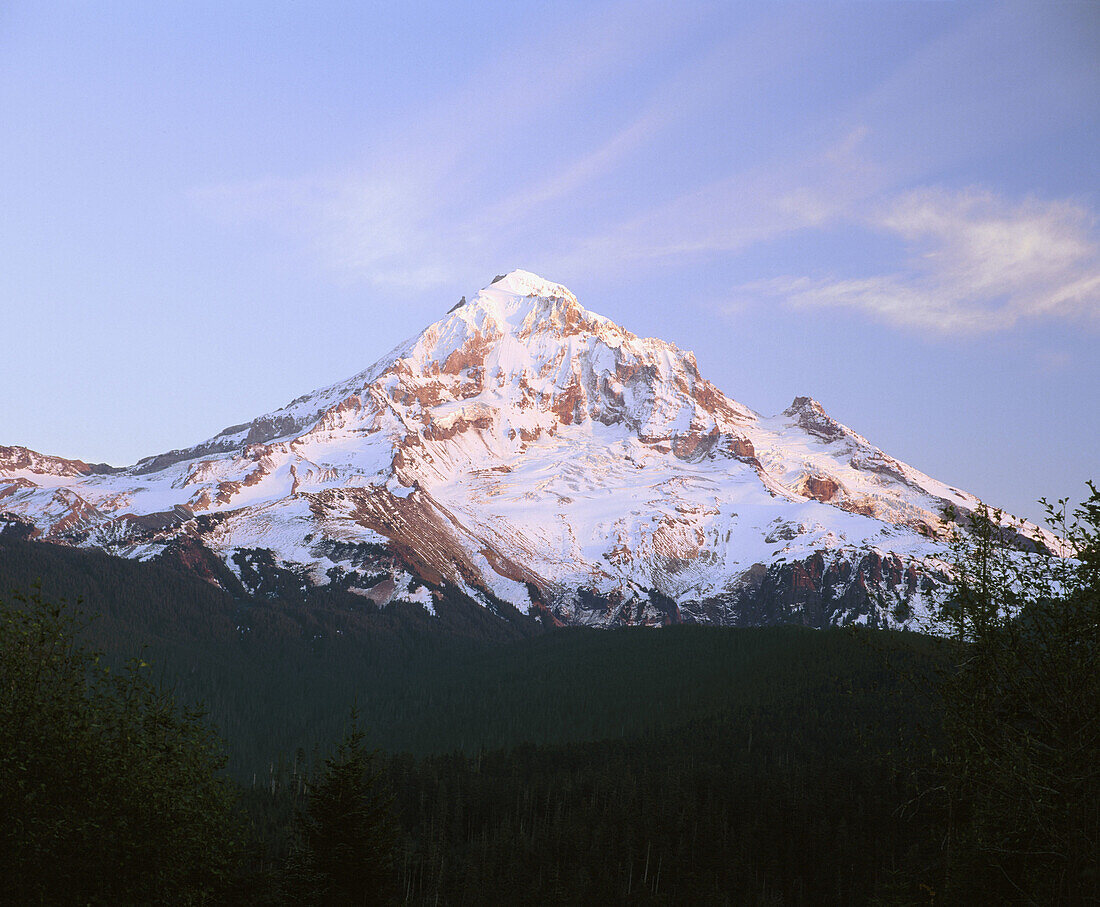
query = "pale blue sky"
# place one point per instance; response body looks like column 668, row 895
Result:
column 207, row 209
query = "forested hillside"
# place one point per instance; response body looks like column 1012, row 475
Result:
column 280, row 676
column 521, row 764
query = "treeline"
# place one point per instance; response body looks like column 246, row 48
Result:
column 687, row 765
column 752, row 764
column 787, row 787
column 276, row 677
column 272, row 675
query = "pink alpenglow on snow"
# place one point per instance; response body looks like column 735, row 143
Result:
column 525, row 450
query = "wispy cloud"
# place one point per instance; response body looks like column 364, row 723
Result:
column 451, row 188
column 977, row 263
column 422, row 205
column 449, row 194
column 810, row 190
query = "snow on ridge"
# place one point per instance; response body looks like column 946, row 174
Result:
column 527, row 441
column 519, row 300
column 525, row 283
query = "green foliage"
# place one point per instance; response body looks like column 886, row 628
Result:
column 785, row 802
column 277, row 677
column 773, row 771
column 109, row 791
column 331, row 650
column 686, row 765
column 1022, row 715
column 347, row 834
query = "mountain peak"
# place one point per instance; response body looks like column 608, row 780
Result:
column 520, row 303
column 525, row 450
column 804, row 405
column 525, row 283
column 528, row 450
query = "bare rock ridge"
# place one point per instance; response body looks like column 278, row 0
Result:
column 523, row 451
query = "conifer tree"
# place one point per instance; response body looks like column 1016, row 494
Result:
column 110, row 793
column 1022, row 714
column 347, row 833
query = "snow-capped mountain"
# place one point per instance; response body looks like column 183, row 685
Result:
column 524, row 450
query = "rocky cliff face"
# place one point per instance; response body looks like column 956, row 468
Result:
column 526, row 452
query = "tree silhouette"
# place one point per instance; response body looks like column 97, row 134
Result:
column 347, row 833
column 109, row 792
column 1022, row 714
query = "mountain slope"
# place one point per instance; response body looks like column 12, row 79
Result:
column 526, row 451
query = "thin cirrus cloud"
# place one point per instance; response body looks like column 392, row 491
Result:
column 448, row 193
column 810, row 190
column 427, row 198
column 449, row 187
column 976, row 263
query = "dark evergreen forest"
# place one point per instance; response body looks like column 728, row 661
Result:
column 467, row 758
